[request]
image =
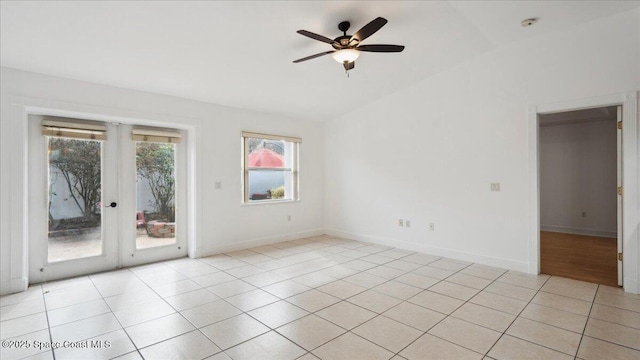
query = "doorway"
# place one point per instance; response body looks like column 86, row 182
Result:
column 103, row 195
column 580, row 161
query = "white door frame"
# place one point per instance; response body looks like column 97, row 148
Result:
column 24, row 107
column 630, row 179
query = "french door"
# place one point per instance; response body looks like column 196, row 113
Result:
column 103, row 196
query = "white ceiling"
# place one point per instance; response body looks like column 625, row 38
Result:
column 240, row 53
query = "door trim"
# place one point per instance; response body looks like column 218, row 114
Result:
column 23, row 106
column 630, row 180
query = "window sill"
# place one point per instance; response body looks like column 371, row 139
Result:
column 266, row 202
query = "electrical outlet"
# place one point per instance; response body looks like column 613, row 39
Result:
column 217, row 185
column 407, row 223
column 432, row 226
column 584, row 214
column 400, row 222
column 495, row 186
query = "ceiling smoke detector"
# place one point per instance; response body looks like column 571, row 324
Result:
column 528, row 22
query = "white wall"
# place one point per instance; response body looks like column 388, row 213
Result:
column 221, row 222
column 428, row 153
column 578, row 174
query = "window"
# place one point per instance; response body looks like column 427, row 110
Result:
column 270, row 167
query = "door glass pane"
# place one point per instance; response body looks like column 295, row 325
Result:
column 155, row 194
column 75, row 184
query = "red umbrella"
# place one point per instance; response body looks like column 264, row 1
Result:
column 264, row 157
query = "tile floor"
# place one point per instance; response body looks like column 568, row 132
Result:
column 320, row 297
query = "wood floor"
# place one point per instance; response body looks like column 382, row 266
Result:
column 580, row 257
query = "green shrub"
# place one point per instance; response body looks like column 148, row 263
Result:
column 277, row 193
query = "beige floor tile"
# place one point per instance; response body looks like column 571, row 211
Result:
column 216, row 278
column 545, row 335
column 351, row 347
column 571, row 288
column 374, row 301
column 397, row 290
column 365, row 280
column 437, row 302
column 264, row 279
column 137, row 314
column 385, row 272
column 530, row 282
column 119, row 344
column 594, row 349
column 308, row 356
column 341, row 289
column 314, row 279
column 21, row 309
column 403, row 265
column 23, row 325
column 346, row 315
column 210, row 313
column 358, row 265
column 616, row 291
column 387, row 333
column 376, row 258
column 69, row 296
column 614, row 333
column 432, row 272
column 338, row 272
column 469, row 281
column 191, row 299
column 421, row 259
column 244, row 271
column 310, row 331
column 313, row 300
column 480, row 315
column 622, row 302
column 269, row 346
column 277, row 314
column 176, row 288
column 122, row 301
column 499, row 302
column 431, row 347
column 34, row 292
column 466, row 334
column 616, row 315
column 233, row 331
column 487, row 274
column 413, row 315
column 251, row 300
column 454, row 290
column 512, row 291
column 154, row 331
column 417, row 280
column 285, row 289
column 564, row 303
column 509, row 347
column 558, row 318
column 86, row 328
column 231, row 288
column 449, row 265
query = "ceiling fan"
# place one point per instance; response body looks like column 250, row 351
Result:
column 347, row 48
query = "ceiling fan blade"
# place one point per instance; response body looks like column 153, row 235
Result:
column 381, row 48
column 349, row 65
column 313, row 56
column 315, row 36
column 369, row 29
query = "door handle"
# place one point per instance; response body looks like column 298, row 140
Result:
column 113, row 204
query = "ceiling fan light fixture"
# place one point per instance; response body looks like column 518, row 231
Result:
column 348, row 55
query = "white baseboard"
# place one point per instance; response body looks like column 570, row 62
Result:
column 631, row 285
column 449, row 253
column 241, row 245
column 578, row 231
column 14, row 286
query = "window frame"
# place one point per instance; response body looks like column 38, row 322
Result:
column 294, row 169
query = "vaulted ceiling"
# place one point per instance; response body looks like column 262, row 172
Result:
column 240, row 53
